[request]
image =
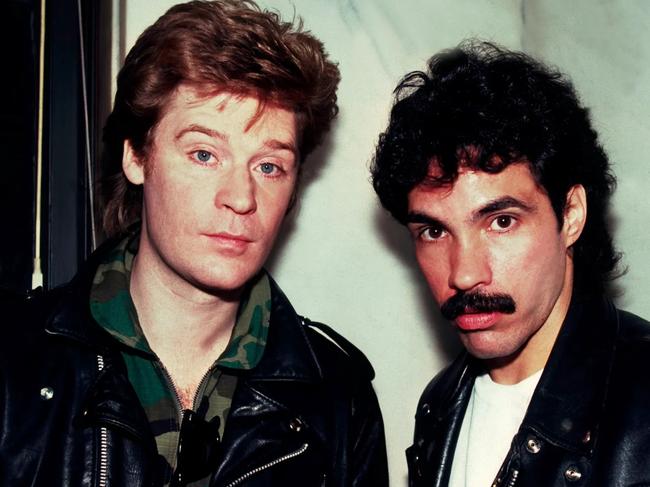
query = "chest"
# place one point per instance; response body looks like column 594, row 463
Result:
column 616, row 454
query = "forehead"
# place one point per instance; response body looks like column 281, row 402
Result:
column 474, row 188
column 226, row 111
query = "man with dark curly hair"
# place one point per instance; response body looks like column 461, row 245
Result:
column 173, row 358
column 492, row 163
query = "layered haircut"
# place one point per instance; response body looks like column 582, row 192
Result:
column 223, row 45
column 483, row 107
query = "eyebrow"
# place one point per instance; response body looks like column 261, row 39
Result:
column 215, row 134
column 417, row 217
column 273, row 144
column 501, row 204
column 490, row 207
column 276, row 144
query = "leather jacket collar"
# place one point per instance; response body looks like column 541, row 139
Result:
column 288, row 354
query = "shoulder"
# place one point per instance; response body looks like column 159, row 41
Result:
column 312, row 346
column 633, row 328
column 23, row 312
column 632, row 346
column 28, row 353
column 24, row 316
column 625, row 416
column 336, row 354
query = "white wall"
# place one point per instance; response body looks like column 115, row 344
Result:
column 342, row 260
column 605, row 46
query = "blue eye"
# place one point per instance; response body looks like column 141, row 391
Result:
column 203, row 156
column 267, row 167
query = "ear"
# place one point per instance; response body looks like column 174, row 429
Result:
column 575, row 214
column 133, row 168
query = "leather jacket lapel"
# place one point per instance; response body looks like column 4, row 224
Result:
column 288, row 354
column 567, row 405
column 437, row 427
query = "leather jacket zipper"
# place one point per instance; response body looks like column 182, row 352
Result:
column 509, row 478
column 179, row 405
column 268, row 465
column 103, row 441
column 172, row 384
column 513, row 478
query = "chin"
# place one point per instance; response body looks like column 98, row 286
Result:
column 225, row 280
column 492, row 351
column 482, row 354
column 224, row 289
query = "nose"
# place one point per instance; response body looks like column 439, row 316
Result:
column 469, row 266
column 236, row 190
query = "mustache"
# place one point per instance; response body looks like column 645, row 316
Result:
column 476, row 302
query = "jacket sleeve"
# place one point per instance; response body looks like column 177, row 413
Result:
column 351, row 374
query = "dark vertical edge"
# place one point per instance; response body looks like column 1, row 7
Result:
column 102, row 95
column 65, row 212
column 19, row 47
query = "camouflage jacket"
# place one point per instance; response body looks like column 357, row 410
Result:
column 305, row 415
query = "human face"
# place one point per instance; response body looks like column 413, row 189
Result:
column 217, row 185
column 497, row 234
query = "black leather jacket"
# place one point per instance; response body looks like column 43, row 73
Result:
column 588, row 422
column 306, row 415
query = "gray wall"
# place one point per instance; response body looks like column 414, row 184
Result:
column 342, row 260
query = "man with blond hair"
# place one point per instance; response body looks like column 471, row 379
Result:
column 173, row 358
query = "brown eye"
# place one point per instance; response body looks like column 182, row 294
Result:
column 432, row 233
column 502, row 222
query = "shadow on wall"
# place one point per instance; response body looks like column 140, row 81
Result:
column 444, row 340
column 614, row 289
column 395, row 238
column 311, row 171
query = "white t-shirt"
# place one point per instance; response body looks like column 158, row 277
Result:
column 494, row 414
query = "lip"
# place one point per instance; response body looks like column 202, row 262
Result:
column 229, row 241
column 477, row 321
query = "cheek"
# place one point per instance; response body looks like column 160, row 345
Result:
column 172, row 202
column 433, row 266
column 272, row 204
column 272, row 216
column 527, row 265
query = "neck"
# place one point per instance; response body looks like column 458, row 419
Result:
column 186, row 326
column 177, row 317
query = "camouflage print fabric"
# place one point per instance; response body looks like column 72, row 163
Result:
column 111, row 306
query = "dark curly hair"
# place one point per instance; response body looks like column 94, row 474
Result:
column 229, row 45
column 486, row 107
